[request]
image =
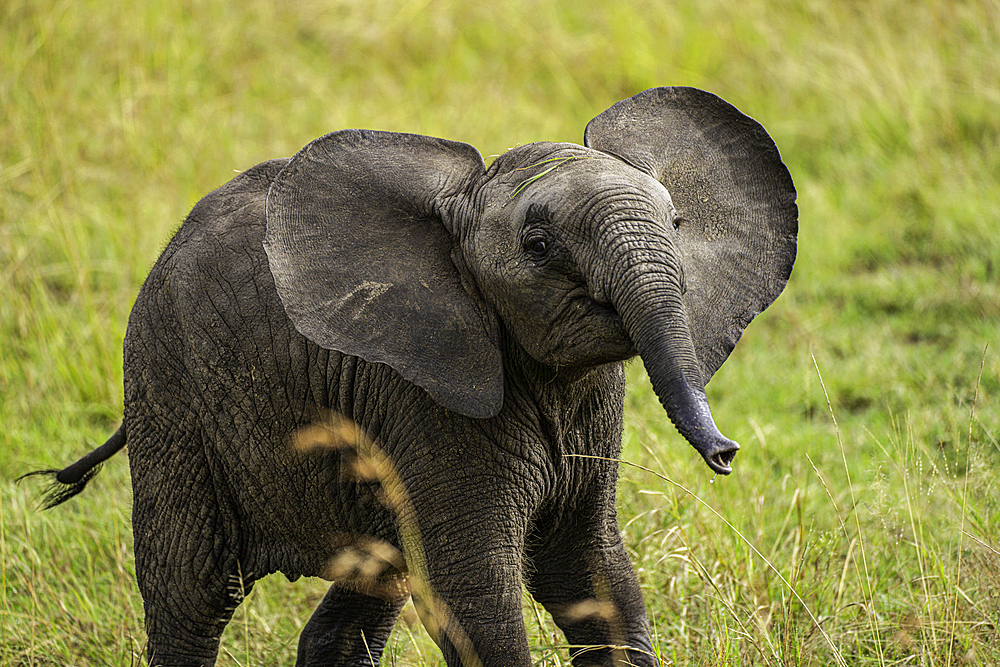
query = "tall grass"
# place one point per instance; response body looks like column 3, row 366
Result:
column 861, row 524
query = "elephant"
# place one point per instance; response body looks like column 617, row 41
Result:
column 383, row 363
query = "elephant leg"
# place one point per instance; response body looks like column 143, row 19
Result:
column 470, row 601
column 189, row 575
column 188, row 599
column 348, row 628
column 473, row 610
column 589, row 587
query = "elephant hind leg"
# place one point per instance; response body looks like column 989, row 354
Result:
column 188, row 600
column 191, row 640
column 349, row 628
column 187, row 566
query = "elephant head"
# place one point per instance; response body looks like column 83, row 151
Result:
column 663, row 236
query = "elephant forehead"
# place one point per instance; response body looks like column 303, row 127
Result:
column 603, row 187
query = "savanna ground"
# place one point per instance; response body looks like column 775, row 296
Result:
column 862, row 524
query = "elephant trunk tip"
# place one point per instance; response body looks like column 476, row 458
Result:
column 719, row 454
column 690, row 413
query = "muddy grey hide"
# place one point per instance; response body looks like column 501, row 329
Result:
column 382, row 363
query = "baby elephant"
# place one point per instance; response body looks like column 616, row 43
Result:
column 382, row 363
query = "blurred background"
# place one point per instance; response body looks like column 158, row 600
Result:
column 862, row 524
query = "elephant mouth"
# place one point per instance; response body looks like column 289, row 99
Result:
column 602, row 310
column 616, row 341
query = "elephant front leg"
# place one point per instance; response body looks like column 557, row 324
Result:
column 349, row 628
column 465, row 578
column 472, row 609
column 586, row 582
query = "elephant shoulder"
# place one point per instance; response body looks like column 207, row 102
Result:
column 234, row 208
column 216, row 259
column 224, row 226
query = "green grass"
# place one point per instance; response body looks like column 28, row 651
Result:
column 872, row 540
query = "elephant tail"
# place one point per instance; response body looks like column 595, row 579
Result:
column 72, row 479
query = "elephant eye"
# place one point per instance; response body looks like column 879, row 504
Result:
column 536, row 241
column 537, row 247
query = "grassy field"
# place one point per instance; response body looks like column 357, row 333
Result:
column 862, row 524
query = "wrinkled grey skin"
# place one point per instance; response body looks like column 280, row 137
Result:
column 473, row 322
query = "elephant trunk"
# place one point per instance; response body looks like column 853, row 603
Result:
column 648, row 299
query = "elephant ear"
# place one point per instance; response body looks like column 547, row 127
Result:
column 734, row 197
column 359, row 246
